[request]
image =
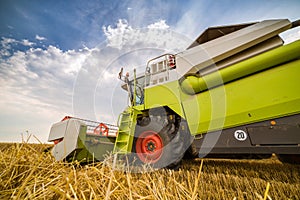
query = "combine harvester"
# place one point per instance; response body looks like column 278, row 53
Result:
column 234, row 92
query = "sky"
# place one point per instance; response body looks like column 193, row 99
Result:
column 61, row 58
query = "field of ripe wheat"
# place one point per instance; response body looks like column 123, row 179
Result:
column 27, row 172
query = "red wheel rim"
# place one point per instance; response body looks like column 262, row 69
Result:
column 149, row 146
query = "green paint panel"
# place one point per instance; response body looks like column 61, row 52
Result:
column 164, row 95
column 269, row 94
column 193, row 84
column 97, row 147
column 271, row 91
column 92, row 147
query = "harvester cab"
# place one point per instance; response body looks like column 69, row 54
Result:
column 134, row 85
column 158, row 70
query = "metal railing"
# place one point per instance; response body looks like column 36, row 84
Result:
column 157, row 70
column 98, row 128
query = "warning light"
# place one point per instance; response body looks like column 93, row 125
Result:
column 273, row 123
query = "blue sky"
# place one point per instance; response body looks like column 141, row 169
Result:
column 62, row 58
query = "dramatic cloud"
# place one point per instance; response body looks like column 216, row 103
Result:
column 37, row 86
column 41, row 85
column 156, row 35
column 36, row 71
column 119, row 36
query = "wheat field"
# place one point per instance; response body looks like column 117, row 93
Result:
column 27, row 172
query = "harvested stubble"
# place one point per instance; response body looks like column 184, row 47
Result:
column 26, row 172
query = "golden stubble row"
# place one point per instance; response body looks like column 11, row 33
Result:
column 27, row 172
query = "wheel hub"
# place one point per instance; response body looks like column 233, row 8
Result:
column 149, row 147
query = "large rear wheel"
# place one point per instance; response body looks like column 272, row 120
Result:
column 149, row 146
column 160, row 143
column 191, row 152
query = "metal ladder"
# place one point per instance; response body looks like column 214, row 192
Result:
column 125, row 136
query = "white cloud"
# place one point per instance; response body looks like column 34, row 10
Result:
column 8, row 43
column 6, row 46
column 5, row 41
column 4, row 52
column 26, row 42
column 36, row 88
column 156, row 35
column 161, row 24
column 36, row 72
column 119, row 35
column 40, row 38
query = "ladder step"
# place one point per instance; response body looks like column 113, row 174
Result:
column 121, row 148
column 121, row 141
column 123, row 126
column 125, row 137
column 127, row 121
column 124, row 131
column 125, row 116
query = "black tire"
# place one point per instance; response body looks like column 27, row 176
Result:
column 191, row 152
column 172, row 142
column 289, row 158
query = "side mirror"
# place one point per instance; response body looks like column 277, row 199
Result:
column 121, row 73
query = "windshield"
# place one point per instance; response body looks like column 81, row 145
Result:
column 139, row 92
